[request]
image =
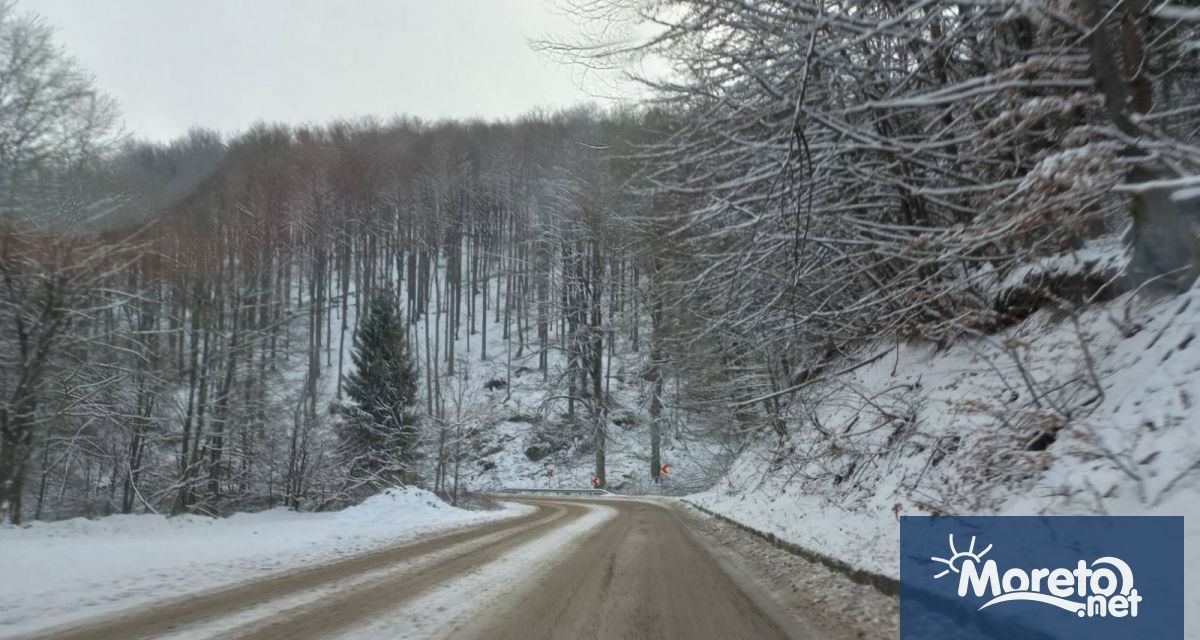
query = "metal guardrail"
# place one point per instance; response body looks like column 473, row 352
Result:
column 557, row 492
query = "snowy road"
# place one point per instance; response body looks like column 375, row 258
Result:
column 568, row 569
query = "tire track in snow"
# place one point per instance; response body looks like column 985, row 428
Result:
column 156, row 621
column 450, row 608
column 348, row 607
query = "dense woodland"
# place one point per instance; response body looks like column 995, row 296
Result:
column 808, row 179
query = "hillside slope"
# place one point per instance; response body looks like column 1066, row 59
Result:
column 1094, row 413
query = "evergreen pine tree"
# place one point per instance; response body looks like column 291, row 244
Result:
column 380, row 435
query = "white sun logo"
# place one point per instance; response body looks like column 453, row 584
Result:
column 957, row 557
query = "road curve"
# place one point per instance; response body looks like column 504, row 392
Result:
column 159, row 620
column 352, row 606
column 572, row 568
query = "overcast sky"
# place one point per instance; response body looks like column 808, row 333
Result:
column 226, row 64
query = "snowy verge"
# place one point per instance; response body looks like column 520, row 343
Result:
column 886, row 585
column 1093, row 413
column 59, row 572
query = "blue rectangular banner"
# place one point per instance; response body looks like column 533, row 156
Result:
column 1093, row 577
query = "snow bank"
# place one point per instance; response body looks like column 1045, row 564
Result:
column 1097, row 414
column 55, row 572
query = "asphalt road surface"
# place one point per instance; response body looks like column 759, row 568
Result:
column 570, row 568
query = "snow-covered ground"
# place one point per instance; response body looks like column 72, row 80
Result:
column 500, row 424
column 58, row 572
column 457, row 604
column 961, row 429
column 504, row 407
column 925, row 431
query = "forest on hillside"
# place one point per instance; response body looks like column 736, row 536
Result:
column 809, row 180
